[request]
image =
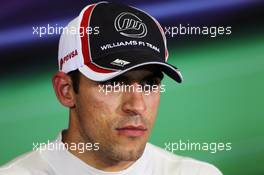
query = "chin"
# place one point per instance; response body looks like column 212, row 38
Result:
column 130, row 153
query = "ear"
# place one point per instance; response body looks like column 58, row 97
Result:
column 62, row 85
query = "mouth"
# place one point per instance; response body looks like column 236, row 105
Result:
column 132, row 130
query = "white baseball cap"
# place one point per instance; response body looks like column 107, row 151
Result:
column 108, row 39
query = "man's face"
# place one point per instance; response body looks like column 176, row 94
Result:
column 120, row 122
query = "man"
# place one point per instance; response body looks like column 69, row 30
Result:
column 110, row 79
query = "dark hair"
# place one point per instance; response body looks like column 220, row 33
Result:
column 75, row 78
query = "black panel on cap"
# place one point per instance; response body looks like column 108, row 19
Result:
column 103, row 44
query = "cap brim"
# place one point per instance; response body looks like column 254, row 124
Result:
column 168, row 69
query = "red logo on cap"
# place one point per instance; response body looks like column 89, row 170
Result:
column 68, row 57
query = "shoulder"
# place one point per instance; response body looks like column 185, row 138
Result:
column 32, row 163
column 168, row 163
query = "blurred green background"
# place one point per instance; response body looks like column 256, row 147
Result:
column 220, row 100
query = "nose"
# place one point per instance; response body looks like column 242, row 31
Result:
column 133, row 101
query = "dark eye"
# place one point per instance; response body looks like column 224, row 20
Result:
column 110, row 83
column 151, row 81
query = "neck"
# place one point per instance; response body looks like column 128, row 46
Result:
column 93, row 158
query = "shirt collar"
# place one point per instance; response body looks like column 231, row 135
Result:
column 64, row 162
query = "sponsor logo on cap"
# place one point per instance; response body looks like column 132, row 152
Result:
column 129, row 25
column 68, row 57
column 119, row 62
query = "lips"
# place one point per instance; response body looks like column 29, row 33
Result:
column 132, row 130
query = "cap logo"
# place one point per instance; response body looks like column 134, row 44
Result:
column 67, row 57
column 119, row 62
column 129, row 25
